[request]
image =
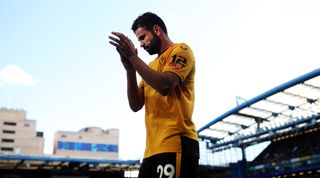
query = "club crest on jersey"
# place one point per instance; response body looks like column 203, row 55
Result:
column 178, row 61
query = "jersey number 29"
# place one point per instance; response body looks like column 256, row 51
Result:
column 167, row 170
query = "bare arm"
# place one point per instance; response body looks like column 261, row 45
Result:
column 163, row 82
column 135, row 94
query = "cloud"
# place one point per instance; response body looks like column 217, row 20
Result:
column 13, row 75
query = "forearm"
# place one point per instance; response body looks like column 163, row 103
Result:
column 157, row 80
column 135, row 96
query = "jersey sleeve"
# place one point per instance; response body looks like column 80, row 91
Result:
column 180, row 61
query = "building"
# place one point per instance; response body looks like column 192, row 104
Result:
column 18, row 134
column 90, row 142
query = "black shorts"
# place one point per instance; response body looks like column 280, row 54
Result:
column 169, row 165
column 173, row 165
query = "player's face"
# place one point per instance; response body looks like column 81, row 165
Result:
column 149, row 41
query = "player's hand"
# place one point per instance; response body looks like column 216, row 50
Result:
column 124, row 45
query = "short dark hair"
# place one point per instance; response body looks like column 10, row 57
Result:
column 148, row 20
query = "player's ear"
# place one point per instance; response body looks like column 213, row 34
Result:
column 157, row 29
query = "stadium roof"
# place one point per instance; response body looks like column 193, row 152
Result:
column 52, row 162
column 290, row 106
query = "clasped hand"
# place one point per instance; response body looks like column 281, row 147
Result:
column 123, row 45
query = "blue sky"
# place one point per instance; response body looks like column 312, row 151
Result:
column 56, row 63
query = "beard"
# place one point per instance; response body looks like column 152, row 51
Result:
column 155, row 45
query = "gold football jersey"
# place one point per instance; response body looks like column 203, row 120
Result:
column 167, row 118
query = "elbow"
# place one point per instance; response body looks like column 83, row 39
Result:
column 135, row 109
column 165, row 87
column 165, row 91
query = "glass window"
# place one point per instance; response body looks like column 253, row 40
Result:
column 93, row 147
column 6, row 149
column 8, row 131
column 10, row 123
column 7, row 140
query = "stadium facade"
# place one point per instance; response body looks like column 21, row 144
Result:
column 90, row 153
column 89, row 142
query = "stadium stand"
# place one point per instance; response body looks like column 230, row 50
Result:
column 292, row 153
column 283, row 123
